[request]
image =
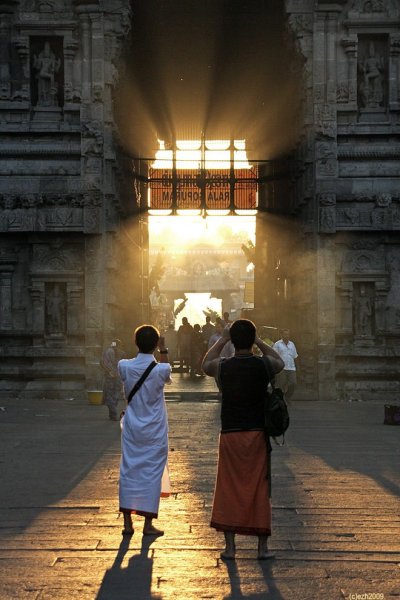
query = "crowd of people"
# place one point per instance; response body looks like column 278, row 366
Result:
column 188, row 345
column 243, row 365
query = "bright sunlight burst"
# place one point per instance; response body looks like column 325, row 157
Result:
column 183, row 232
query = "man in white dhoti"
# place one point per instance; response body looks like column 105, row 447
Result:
column 143, row 472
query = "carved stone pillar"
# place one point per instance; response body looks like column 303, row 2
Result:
column 7, row 265
column 319, row 59
column 22, row 46
column 5, row 75
column 327, row 212
column 345, row 320
column 350, row 47
column 70, row 46
column 74, row 309
column 394, row 71
column 326, row 173
column 331, row 58
column 382, row 288
column 7, row 8
column 38, row 307
column 86, row 58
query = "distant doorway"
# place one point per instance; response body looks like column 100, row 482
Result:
column 197, row 307
column 199, row 267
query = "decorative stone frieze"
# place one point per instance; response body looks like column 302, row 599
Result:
column 373, row 8
column 325, row 121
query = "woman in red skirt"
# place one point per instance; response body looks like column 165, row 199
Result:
column 242, row 492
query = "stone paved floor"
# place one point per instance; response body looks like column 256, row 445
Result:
column 336, row 517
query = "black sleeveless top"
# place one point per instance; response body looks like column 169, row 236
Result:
column 243, row 382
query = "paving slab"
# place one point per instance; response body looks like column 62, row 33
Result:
column 336, row 507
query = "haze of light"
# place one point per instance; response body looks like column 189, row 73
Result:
column 182, row 232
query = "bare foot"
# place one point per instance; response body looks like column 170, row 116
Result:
column 151, row 530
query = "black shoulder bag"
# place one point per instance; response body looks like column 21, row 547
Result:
column 276, row 411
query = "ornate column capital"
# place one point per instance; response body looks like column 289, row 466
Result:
column 70, row 47
column 349, row 44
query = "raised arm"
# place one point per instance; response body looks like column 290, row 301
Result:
column 275, row 360
column 211, row 359
column 162, row 350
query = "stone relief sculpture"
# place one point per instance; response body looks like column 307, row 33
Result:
column 47, row 66
column 55, row 310
column 371, row 79
column 363, row 312
column 373, row 6
column 328, row 219
column 50, row 5
column 368, row 7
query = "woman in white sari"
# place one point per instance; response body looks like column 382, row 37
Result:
column 144, row 472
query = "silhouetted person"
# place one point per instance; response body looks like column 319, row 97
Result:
column 198, row 349
column 286, row 379
column 184, row 343
column 208, row 329
column 112, row 385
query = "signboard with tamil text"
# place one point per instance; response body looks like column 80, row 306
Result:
column 212, row 185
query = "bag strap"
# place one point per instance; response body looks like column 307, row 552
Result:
column 141, row 380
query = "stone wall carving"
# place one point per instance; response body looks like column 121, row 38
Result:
column 57, row 257
column 374, row 212
column 56, row 309
column 46, row 66
column 374, row 8
column 372, row 73
column 364, row 309
column 7, row 267
column 325, row 121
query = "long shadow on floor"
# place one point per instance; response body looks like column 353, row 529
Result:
column 133, row 581
column 51, row 446
column 270, row 593
column 349, row 437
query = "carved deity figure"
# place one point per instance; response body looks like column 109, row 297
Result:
column 364, row 312
column 47, row 66
column 371, row 79
column 55, row 311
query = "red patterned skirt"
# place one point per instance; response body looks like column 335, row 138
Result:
column 241, row 497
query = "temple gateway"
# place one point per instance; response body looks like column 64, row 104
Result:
column 74, row 254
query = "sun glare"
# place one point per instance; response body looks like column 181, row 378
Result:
column 186, row 231
column 198, row 267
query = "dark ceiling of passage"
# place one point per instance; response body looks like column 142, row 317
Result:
column 224, row 67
